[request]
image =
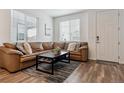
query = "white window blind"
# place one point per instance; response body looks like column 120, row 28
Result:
column 31, row 28
column 70, row 30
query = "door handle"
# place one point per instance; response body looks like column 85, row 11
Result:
column 97, row 38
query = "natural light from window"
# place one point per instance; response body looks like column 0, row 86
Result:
column 69, row 30
column 31, row 34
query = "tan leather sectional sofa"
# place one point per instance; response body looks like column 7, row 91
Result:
column 14, row 60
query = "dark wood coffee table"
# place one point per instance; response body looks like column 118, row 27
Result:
column 51, row 58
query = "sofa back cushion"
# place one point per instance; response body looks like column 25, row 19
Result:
column 84, row 43
column 59, row 44
column 36, row 46
column 47, row 45
column 27, row 48
column 10, row 45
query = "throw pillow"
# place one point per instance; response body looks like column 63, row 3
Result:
column 9, row 45
column 41, row 46
column 66, row 45
column 20, row 47
column 27, row 48
column 71, row 46
column 77, row 46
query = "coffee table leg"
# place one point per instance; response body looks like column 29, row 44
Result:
column 36, row 62
column 69, row 57
column 52, row 68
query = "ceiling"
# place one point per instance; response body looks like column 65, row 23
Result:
column 53, row 12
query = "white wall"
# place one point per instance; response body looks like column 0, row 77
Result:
column 83, row 28
column 5, row 22
column 92, row 34
column 45, row 19
column 42, row 20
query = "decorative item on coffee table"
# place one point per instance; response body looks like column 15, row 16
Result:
column 56, row 50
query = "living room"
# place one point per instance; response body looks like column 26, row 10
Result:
column 61, row 46
column 90, row 41
column 42, row 23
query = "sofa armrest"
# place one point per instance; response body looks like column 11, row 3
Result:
column 9, row 59
column 83, row 47
column 10, row 51
column 84, row 53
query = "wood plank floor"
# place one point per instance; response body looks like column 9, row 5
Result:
column 90, row 72
column 93, row 72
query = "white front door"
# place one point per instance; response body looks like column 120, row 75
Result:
column 107, row 35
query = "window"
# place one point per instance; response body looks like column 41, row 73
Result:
column 31, row 34
column 64, row 31
column 31, row 28
column 70, row 30
column 23, row 27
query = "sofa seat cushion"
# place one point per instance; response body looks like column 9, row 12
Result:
column 75, row 57
column 31, row 56
column 75, row 53
column 27, row 58
column 59, row 44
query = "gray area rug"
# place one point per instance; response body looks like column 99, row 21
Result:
column 61, row 71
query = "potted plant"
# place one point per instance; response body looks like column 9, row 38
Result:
column 56, row 50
